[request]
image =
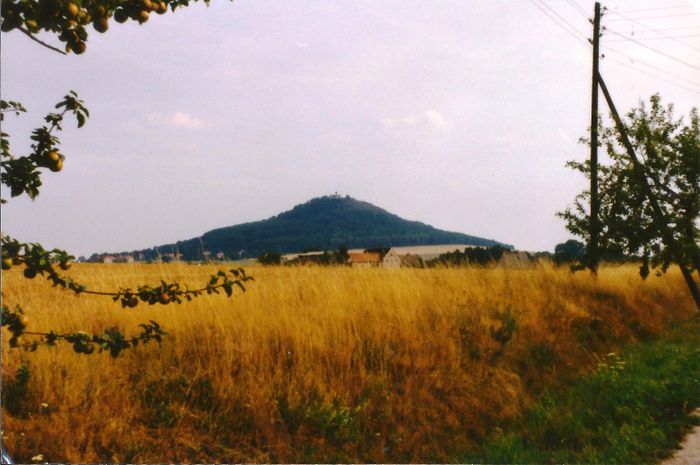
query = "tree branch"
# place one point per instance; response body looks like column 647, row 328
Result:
column 31, row 36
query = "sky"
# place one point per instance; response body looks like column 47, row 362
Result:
column 459, row 114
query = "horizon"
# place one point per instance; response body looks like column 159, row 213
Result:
column 335, row 195
column 460, row 116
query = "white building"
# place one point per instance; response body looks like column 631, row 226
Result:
column 288, row 257
column 415, row 254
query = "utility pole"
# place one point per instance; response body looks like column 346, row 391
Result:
column 593, row 254
column 660, row 218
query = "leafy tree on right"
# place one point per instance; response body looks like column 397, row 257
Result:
column 669, row 152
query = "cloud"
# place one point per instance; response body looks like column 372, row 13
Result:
column 178, row 119
column 429, row 118
column 435, row 119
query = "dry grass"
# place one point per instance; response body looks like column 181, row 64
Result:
column 319, row 364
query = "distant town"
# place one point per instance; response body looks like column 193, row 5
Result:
column 385, row 257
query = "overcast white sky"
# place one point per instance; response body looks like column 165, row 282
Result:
column 459, row 114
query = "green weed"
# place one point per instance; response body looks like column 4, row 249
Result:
column 633, row 408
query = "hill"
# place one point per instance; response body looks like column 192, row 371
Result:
column 323, row 223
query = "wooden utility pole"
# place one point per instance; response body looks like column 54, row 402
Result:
column 593, row 254
column 660, row 219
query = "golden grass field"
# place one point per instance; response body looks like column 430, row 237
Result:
column 318, row 364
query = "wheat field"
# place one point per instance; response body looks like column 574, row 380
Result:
column 317, row 364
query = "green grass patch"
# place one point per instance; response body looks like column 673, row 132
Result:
column 634, row 408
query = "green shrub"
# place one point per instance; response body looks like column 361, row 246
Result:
column 15, row 392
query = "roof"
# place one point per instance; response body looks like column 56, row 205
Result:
column 365, row 257
column 437, row 249
column 310, row 254
column 411, row 260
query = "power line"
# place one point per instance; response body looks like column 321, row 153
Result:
column 687, row 5
column 549, row 8
column 658, row 38
column 642, row 62
column 670, row 57
column 572, row 31
column 695, row 91
column 657, row 17
column 681, row 28
column 657, row 31
column 561, row 22
column 576, row 6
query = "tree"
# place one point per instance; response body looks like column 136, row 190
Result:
column 569, row 251
column 343, row 255
column 650, row 208
column 479, row 256
column 67, row 20
column 270, row 258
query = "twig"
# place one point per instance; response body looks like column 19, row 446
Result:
column 31, row 36
column 178, row 292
